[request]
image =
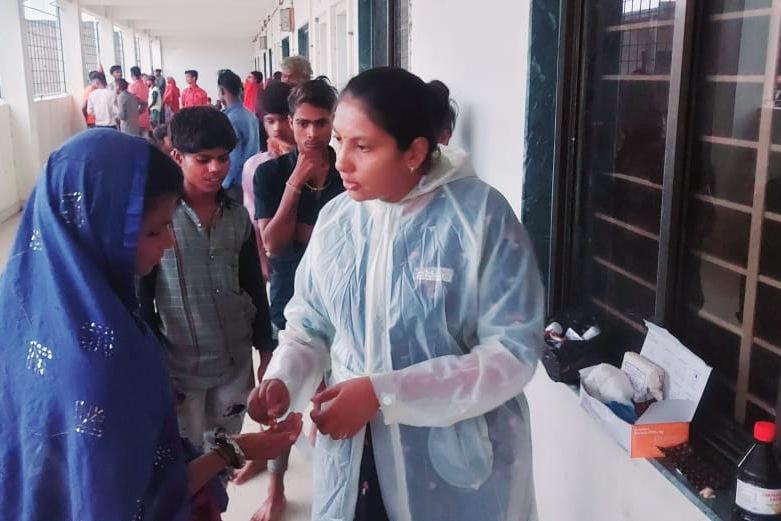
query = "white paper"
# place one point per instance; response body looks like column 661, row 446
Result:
column 685, row 373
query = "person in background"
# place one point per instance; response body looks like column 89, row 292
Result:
column 100, row 103
column 160, row 81
column 290, row 192
column 155, row 102
column 171, row 98
column 127, row 109
column 116, row 73
column 245, row 124
column 296, row 70
column 277, row 76
column 161, row 85
column 419, row 300
column 193, row 95
column 139, row 89
column 253, row 87
column 89, row 118
column 162, row 139
column 445, row 111
column 276, row 124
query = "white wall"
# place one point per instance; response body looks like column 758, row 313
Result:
column 54, row 121
column 207, row 57
column 580, row 473
column 319, row 13
column 9, row 190
column 481, row 54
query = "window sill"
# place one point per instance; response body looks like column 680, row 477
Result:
column 51, row 98
column 718, row 508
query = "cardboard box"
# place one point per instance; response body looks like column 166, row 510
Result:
column 665, row 423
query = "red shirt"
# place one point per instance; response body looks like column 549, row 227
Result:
column 139, row 89
column 90, row 118
column 193, row 96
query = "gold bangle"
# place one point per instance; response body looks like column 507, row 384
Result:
column 291, row 185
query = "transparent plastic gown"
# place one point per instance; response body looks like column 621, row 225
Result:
column 438, row 299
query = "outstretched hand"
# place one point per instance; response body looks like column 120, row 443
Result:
column 273, row 442
column 344, row 409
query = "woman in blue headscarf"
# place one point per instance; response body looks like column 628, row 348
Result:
column 88, row 429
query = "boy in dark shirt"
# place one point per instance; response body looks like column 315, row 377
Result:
column 289, row 192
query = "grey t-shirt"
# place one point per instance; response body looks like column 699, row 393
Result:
column 127, row 112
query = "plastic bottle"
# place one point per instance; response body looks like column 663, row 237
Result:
column 758, row 495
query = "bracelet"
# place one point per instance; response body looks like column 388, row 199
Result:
column 291, row 185
column 224, row 455
column 229, row 447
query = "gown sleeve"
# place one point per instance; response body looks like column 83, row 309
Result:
column 442, row 391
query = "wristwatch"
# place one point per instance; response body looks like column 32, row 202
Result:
column 231, row 449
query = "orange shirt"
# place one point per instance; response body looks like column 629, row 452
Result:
column 139, row 89
column 90, row 118
column 193, row 96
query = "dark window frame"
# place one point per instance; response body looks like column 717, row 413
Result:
column 554, row 232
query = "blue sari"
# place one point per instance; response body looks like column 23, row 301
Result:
column 88, row 428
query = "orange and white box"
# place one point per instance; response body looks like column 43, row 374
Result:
column 665, row 423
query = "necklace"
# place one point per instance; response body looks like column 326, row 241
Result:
column 315, row 189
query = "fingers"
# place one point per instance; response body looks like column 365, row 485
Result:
column 326, row 395
column 256, row 406
column 277, row 398
column 292, row 424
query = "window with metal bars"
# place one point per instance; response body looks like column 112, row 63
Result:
column 90, row 43
column 44, row 45
column 119, row 47
column 137, row 49
column 672, row 205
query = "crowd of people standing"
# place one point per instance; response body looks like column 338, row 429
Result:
column 378, row 279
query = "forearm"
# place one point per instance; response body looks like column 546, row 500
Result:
column 445, row 390
column 203, row 469
column 299, row 362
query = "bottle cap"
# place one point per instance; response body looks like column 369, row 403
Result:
column 765, row 431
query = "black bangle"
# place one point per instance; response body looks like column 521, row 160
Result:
column 226, row 449
column 223, row 455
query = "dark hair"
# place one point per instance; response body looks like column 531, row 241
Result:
column 446, row 109
column 257, row 75
column 164, row 178
column 398, row 102
column 135, row 71
column 115, row 68
column 201, row 128
column 122, row 83
column 229, row 81
column 159, row 70
column 97, row 75
column 317, row 92
column 160, row 132
column 277, row 75
column 192, row 73
column 274, row 98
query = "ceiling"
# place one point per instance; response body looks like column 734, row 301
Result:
column 186, row 19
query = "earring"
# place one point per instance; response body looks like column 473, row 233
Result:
column 412, row 170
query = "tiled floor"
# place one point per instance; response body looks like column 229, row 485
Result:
column 246, row 499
